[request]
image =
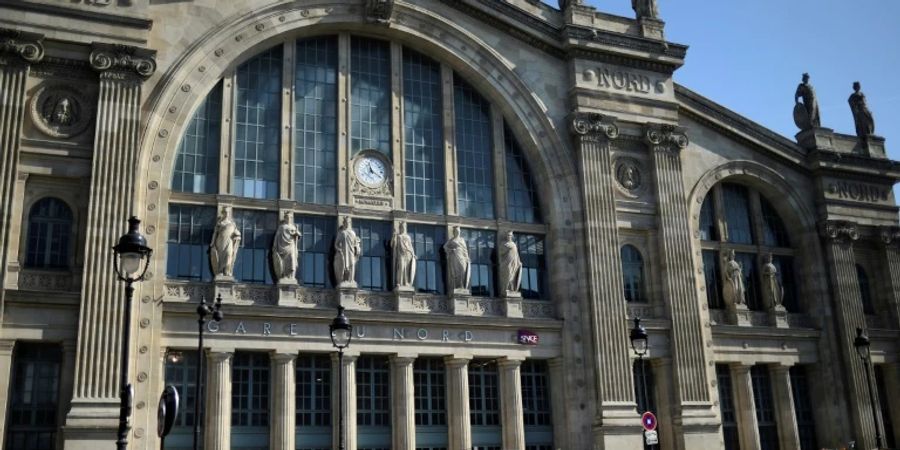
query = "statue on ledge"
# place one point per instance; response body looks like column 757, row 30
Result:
column 284, row 250
column 806, row 114
column 734, row 274
column 645, row 9
column 223, row 249
column 862, row 116
column 773, row 289
column 510, row 266
column 404, row 258
column 347, row 250
column 458, row 263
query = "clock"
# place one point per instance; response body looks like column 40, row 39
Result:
column 371, row 171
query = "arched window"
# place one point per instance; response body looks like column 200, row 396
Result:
column 49, row 230
column 633, row 274
column 398, row 132
column 865, row 290
column 736, row 217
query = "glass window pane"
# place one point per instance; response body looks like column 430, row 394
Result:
column 372, row 268
column 33, row 397
column 774, row 232
column 737, row 213
column 749, row 270
column 765, row 410
column 538, row 417
column 633, row 274
column 726, row 406
column 370, row 95
column 711, row 271
column 428, row 240
column 197, row 164
column 49, row 230
column 484, row 403
column 806, row 425
column 481, row 245
column 190, row 232
column 250, row 375
column 534, row 270
column 423, row 133
column 373, row 401
column 258, row 121
column 257, row 230
column 708, row 230
column 521, row 196
column 316, row 241
column 182, row 373
column 785, row 267
column 315, row 121
column 474, row 158
column 313, row 400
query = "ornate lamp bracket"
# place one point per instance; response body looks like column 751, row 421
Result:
column 665, row 138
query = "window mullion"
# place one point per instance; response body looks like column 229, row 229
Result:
column 397, row 151
column 499, row 152
column 343, row 113
column 226, row 166
column 286, row 181
column 449, row 142
column 719, row 208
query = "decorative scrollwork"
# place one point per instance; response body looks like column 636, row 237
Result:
column 594, row 125
column 258, row 295
column 188, row 291
column 379, row 11
column 431, row 304
column 123, row 58
column 666, row 137
column 839, row 230
column 890, row 235
column 317, row 297
column 45, row 281
column 538, row 309
column 482, row 306
column 375, row 302
column 27, row 46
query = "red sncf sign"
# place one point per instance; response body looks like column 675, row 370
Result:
column 528, row 337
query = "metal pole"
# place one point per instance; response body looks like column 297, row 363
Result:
column 198, row 383
column 878, row 441
column 125, row 387
column 341, row 399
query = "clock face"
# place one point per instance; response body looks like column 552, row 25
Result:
column 370, row 171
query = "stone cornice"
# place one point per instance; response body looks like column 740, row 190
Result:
column 593, row 126
column 123, row 60
column 839, row 230
column 666, row 56
column 666, row 138
column 25, row 45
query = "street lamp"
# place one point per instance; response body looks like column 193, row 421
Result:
column 131, row 253
column 203, row 310
column 862, row 348
column 638, row 338
column 341, row 333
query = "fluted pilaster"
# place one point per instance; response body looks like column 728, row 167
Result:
column 788, row 432
column 6, row 350
column 665, row 405
column 839, row 237
column 511, row 403
column 122, row 70
column 593, row 135
column 403, row 409
column 744, row 408
column 218, row 402
column 891, row 257
column 557, row 370
column 346, row 394
column 282, row 434
column 458, row 403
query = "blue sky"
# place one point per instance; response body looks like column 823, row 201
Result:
column 748, row 55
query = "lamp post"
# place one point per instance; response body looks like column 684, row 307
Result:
column 203, row 310
column 341, row 333
column 131, row 253
column 638, row 338
column 862, row 348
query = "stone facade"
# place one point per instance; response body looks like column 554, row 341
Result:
column 618, row 153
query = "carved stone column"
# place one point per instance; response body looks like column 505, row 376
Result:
column 785, row 415
column 557, row 374
column 694, row 416
column 122, row 70
column 218, row 401
column 665, row 399
column 284, row 388
column 345, row 394
column 890, row 237
column 744, row 408
column 512, row 415
column 6, row 351
column 18, row 51
column 839, row 237
column 460, row 428
column 616, row 423
column 403, row 409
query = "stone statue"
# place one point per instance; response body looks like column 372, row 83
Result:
column 862, row 116
column 510, row 266
column 458, row 264
column 62, row 112
column 347, row 250
column 284, row 250
column 645, row 9
column 404, row 258
column 734, row 289
column 806, row 114
column 223, row 249
column 774, row 290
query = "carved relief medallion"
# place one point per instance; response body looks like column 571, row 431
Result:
column 61, row 111
column 629, row 176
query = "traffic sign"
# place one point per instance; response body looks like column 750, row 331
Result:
column 648, row 420
column 651, row 437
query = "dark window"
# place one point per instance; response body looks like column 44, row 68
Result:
column 633, row 274
column 49, row 231
column 531, row 252
column 250, row 390
column 197, row 163
column 785, row 267
column 889, row 437
column 190, row 232
column 774, row 232
column 737, row 214
column 521, row 196
column 315, row 246
column 708, row 230
column 370, row 95
column 726, row 406
column 474, row 152
column 865, row 290
column 481, row 245
column 33, row 397
column 372, row 269
column 373, row 402
column 257, row 143
column 806, row 425
column 765, row 409
column 313, row 400
column 484, row 403
column 751, row 279
column 257, row 229
column 430, row 403
column 181, row 372
column 538, row 418
column 713, row 280
column 315, row 121
column 428, row 240
column 423, row 133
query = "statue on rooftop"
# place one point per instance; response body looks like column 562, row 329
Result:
column 862, row 116
column 806, row 114
column 645, row 9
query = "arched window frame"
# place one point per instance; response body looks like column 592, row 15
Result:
column 633, row 274
column 715, row 242
column 43, row 230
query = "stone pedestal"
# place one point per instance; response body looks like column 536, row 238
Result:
column 223, row 286
column 217, row 415
column 778, row 317
column 788, row 432
column 459, row 302
column 512, row 304
column 739, row 315
column 458, row 411
column 511, row 413
column 403, row 406
column 744, row 408
column 404, row 296
column 282, row 434
column 652, row 28
column 816, row 139
column 347, row 296
column 287, row 293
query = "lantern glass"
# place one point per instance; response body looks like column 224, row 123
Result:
column 130, row 263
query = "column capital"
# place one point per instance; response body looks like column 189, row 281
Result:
column 122, row 61
column 593, row 126
column 348, row 358
column 283, row 357
column 219, row 355
column 27, row 46
column 402, row 360
column 889, row 236
column 781, row 368
column 510, row 363
column 6, row 346
column 456, row 362
column 839, row 230
column 665, row 138
column 740, row 367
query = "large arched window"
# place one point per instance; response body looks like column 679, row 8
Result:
column 370, row 124
column 736, row 217
column 865, row 290
column 633, row 274
column 49, row 231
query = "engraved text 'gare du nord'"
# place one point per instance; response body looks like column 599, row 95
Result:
column 360, row 331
